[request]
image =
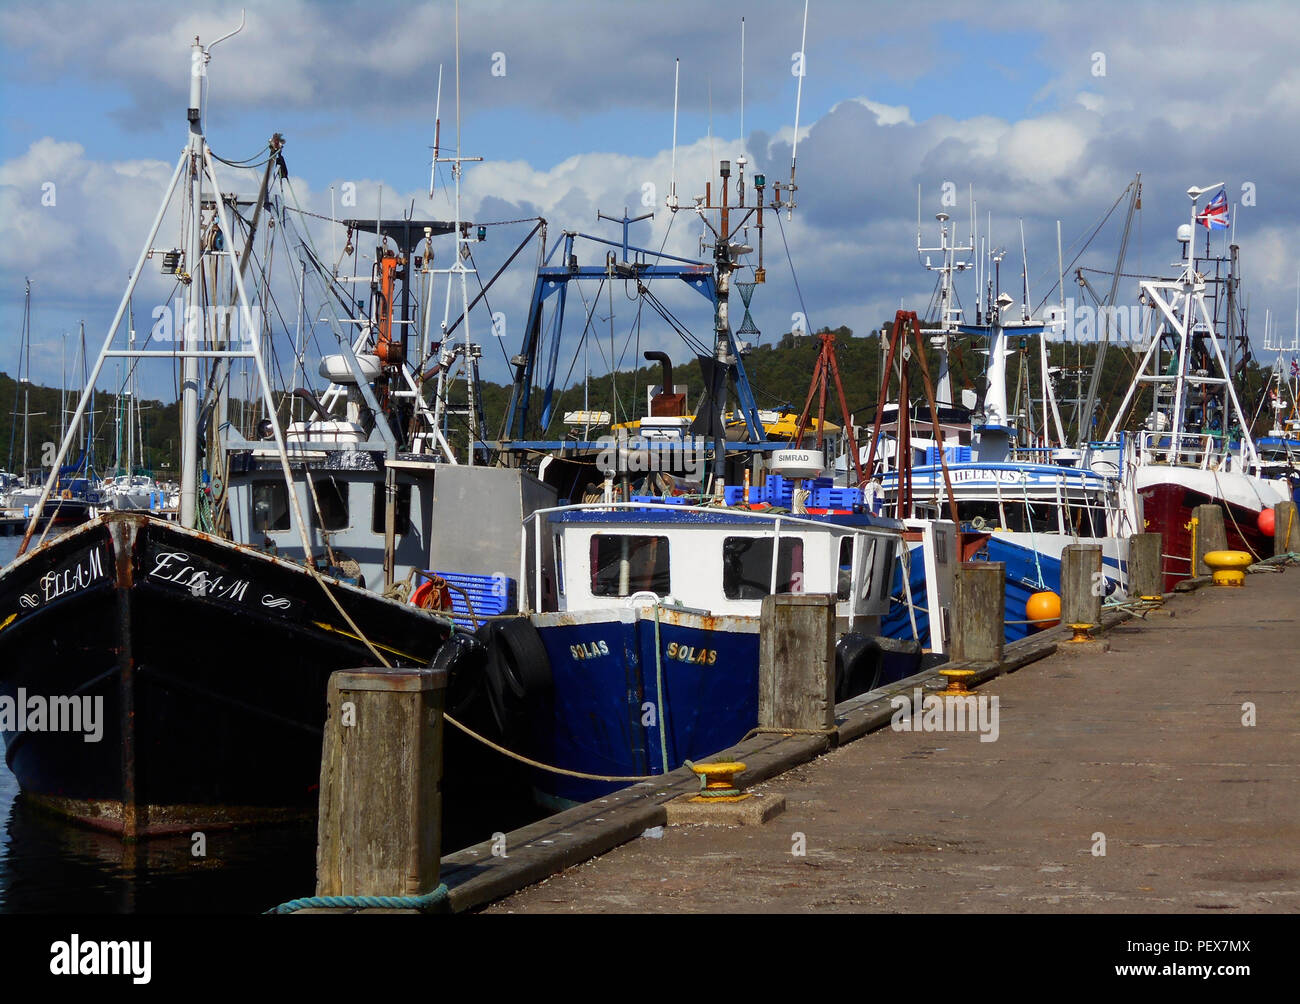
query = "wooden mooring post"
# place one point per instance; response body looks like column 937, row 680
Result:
column 796, row 661
column 1144, row 575
column 1286, row 527
column 981, row 602
column 1081, row 584
column 1210, row 535
column 381, row 769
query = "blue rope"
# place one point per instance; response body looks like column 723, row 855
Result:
column 424, row 902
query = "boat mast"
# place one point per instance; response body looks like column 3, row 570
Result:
column 192, row 340
column 457, row 269
column 948, row 264
column 1084, row 426
column 27, row 370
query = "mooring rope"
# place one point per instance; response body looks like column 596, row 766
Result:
column 422, row 902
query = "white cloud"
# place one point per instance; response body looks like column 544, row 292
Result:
column 1187, row 94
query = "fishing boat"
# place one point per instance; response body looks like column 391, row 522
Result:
column 649, row 626
column 1194, row 446
column 1015, row 498
column 202, row 647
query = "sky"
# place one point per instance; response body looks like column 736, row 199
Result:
column 1039, row 111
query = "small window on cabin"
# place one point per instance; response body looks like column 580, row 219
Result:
column 868, row 564
column 844, row 574
column 559, row 562
column 941, row 547
column 623, row 564
column 1081, row 520
column 270, row 507
column 747, row 567
column 401, row 512
column 332, row 501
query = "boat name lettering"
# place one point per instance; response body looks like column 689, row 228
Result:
column 689, row 653
column 199, row 582
column 983, row 474
column 589, row 649
column 275, row 602
column 69, row 580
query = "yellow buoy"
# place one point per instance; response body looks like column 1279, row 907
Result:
column 1044, row 609
column 1229, row 567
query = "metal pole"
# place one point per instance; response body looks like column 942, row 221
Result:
column 190, row 366
column 99, row 363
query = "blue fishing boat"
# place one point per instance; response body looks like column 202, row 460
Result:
column 649, row 626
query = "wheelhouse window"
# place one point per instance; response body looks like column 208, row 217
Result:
column 401, row 512
column 747, row 567
column 844, row 573
column 270, row 507
column 941, row 547
column 868, row 567
column 332, row 499
column 623, row 564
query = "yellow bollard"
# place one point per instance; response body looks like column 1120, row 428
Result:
column 718, row 782
column 1229, row 567
column 1081, row 633
column 956, row 682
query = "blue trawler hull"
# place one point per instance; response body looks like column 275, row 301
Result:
column 622, row 711
column 1027, row 572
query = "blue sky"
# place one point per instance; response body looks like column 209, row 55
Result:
column 1004, row 98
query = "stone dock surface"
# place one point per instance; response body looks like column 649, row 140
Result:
column 1140, row 751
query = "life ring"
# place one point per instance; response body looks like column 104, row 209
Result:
column 432, row 594
column 978, row 523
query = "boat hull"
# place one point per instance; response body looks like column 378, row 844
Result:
column 1032, row 564
column 607, row 700
column 202, row 663
column 636, row 698
column 1168, row 504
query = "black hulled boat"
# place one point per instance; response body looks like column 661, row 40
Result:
column 207, row 662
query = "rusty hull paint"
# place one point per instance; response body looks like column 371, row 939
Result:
column 108, row 816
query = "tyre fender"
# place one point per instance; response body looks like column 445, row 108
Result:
column 518, row 674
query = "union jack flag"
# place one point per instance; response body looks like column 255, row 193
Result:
column 1215, row 215
column 1295, row 367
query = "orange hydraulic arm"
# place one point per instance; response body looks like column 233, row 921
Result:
column 388, row 351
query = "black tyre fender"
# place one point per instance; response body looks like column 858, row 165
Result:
column 858, row 665
column 465, row 659
column 518, row 672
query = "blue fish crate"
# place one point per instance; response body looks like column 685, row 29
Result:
column 951, row 454
column 778, row 491
column 491, row 595
column 836, row 498
column 662, row 500
column 735, row 495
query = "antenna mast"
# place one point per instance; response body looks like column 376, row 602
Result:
column 947, row 312
column 798, row 97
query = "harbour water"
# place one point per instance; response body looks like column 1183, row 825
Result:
column 50, row 866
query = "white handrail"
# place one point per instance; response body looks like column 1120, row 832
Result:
column 880, row 523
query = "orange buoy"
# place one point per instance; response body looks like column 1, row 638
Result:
column 1266, row 522
column 1044, row 609
column 432, row 594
